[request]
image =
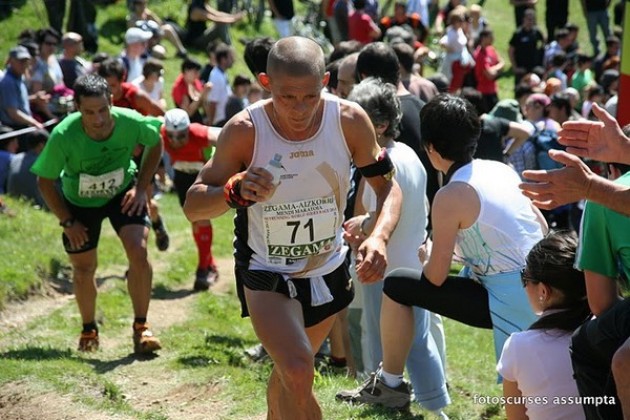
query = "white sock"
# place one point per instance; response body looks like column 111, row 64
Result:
column 440, row 414
column 390, row 379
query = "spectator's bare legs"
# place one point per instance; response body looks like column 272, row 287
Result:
column 84, row 283
column 397, row 332
column 279, row 325
column 621, row 373
column 171, row 35
column 139, row 277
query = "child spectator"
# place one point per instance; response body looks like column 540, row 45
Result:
column 583, row 76
column 152, row 81
column 536, row 362
column 488, row 66
column 255, row 93
column 458, row 60
column 476, row 24
column 361, row 27
column 557, row 69
column 594, row 95
column 238, row 100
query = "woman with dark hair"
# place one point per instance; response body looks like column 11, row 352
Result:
column 481, row 217
column 536, row 362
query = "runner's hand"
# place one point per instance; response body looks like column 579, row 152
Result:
column 257, row 185
column 371, row 260
column 134, row 202
column 77, row 235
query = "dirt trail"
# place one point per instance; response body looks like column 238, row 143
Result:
column 163, row 389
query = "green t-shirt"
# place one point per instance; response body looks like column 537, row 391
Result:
column 605, row 239
column 581, row 79
column 93, row 172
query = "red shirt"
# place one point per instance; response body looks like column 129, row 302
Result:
column 180, row 89
column 192, row 150
column 128, row 98
column 484, row 59
column 359, row 27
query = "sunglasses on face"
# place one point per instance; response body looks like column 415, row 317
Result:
column 177, row 135
column 526, row 278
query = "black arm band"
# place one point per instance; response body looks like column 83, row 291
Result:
column 383, row 167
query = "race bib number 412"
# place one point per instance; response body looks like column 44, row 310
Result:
column 102, row 186
column 301, row 228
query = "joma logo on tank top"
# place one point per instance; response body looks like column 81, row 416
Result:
column 301, row 154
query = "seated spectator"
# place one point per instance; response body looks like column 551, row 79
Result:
column 409, row 20
column 526, row 47
column 97, row 59
column 15, row 109
column 135, row 54
column 8, row 148
column 560, row 108
column 152, row 81
column 197, row 34
column 71, row 63
column 188, row 92
column 536, row 362
column 47, row 73
column 613, row 49
column 557, row 69
column 140, row 11
column 22, row 182
column 125, row 94
column 361, row 27
column 238, row 100
column 560, row 45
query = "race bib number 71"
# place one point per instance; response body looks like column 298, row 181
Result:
column 301, row 228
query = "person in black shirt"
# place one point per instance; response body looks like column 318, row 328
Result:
column 526, row 47
column 197, row 34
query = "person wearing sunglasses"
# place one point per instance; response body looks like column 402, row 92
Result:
column 536, row 363
column 186, row 145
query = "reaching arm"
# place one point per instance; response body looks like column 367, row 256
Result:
column 23, row 118
column 520, row 133
column 574, row 182
column 135, row 200
column 601, row 140
column 361, row 139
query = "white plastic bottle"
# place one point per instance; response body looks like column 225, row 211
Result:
column 275, row 167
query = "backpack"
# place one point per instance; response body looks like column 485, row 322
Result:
column 545, row 140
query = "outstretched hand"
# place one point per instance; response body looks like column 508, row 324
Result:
column 371, row 260
column 600, row 140
column 558, row 187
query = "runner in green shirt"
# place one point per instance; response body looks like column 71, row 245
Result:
column 91, row 152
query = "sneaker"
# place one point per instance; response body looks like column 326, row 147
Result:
column 257, row 353
column 143, row 339
column 373, row 391
column 205, row 277
column 162, row 241
column 88, row 342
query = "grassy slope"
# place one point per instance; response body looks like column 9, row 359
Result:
column 205, row 347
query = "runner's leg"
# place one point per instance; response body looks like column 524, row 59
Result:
column 279, row 324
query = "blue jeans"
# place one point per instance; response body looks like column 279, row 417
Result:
column 593, row 20
column 424, row 364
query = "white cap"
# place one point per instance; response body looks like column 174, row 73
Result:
column 134, row 35
column 176, row 119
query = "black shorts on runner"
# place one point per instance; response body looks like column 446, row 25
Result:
column 92, row 219
column 182, row 182
column 338, row 282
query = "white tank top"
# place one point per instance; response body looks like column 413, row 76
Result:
column 298, row 231
column 506, row 228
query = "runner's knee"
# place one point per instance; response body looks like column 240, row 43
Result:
column 621, row 365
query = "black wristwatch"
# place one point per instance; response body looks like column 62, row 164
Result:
column 67, row 223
